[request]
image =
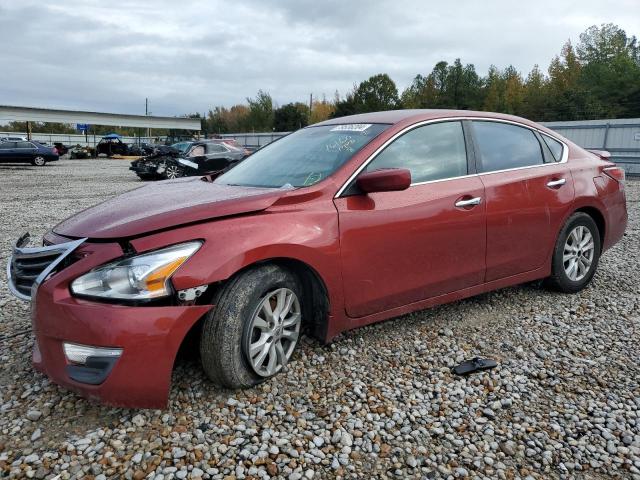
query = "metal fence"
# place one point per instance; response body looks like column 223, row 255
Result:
column 78, row 139
column 621, row 137
column 254, row 140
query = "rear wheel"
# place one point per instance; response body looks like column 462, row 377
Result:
column 576, row 254
column 254, row 329
column 38, row 161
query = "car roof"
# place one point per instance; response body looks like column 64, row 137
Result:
column 417, row 115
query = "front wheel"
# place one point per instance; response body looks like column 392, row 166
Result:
column 38, row 161
column 254, row 329
column 172, row 171
column 576, row 254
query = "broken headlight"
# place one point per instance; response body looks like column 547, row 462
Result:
column 142, row 277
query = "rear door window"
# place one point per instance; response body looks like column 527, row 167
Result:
column 7, row 145
column 554, row 145
column 215, row 148
column 503, row 146
column 432, row 152
column 25, row 145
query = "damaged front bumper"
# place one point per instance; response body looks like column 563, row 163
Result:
column 147, row 167
column 115, row 354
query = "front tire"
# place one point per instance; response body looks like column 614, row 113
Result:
column 575, row 255
column 173, row 171
column 254, row 329
column 38, row 161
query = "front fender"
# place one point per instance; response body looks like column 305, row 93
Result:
column 232, row 244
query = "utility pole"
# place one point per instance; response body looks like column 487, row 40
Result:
column 310, row 105
column 146, row 113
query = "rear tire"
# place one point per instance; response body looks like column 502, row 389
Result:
column 231, row 329
column 575, row 255
column 38, row 161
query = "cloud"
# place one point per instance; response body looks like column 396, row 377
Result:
column 191, row 55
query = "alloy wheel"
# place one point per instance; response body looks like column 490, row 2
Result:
column 578, row 253
column 39, row 161
column 273, row 332
column 173, row 171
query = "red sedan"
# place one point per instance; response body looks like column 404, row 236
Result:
column 338, row 225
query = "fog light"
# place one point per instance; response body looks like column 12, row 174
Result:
column 79, row 353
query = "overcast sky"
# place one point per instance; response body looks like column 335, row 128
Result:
column 188, row 56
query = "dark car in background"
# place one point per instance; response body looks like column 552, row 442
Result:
column 185, row 159
column 111, row 145
column 61, row 147
column 25, row 151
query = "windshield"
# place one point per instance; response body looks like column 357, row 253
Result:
column 303, row 158
column 182, row 146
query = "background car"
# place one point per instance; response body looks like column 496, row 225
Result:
column 233, row 143
column 183, row 159
column 32, row 152
column 111, row 145
column 141, row 149
column 61, row 147
column 81, row 152
column 13, row 138
column 153, row 166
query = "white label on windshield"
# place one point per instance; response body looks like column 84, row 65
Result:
column 353, row 127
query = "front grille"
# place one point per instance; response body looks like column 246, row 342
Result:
column 29, row 266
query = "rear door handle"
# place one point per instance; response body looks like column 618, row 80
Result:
column 469, row 202
column 557, row 183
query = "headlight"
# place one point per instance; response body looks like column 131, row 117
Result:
column 141, row 277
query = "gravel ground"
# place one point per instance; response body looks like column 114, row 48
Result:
column 378, row 402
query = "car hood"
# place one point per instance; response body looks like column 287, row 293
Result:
column 167, row 204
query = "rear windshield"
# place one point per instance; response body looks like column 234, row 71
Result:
column 303, row 158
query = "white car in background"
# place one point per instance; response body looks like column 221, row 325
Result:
column 13, row 139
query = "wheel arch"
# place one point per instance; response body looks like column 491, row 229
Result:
column 314, row 288
column 599, row 220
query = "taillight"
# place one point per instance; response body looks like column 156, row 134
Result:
column 55, row 150
column 616, row 173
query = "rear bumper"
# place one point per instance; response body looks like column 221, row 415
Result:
column 614, row 198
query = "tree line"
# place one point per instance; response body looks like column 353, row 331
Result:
column 598, row 78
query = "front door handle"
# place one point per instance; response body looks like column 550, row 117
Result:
column 557, row 183
column 469, row 202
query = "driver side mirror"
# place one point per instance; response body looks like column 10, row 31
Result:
column 384, row 180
